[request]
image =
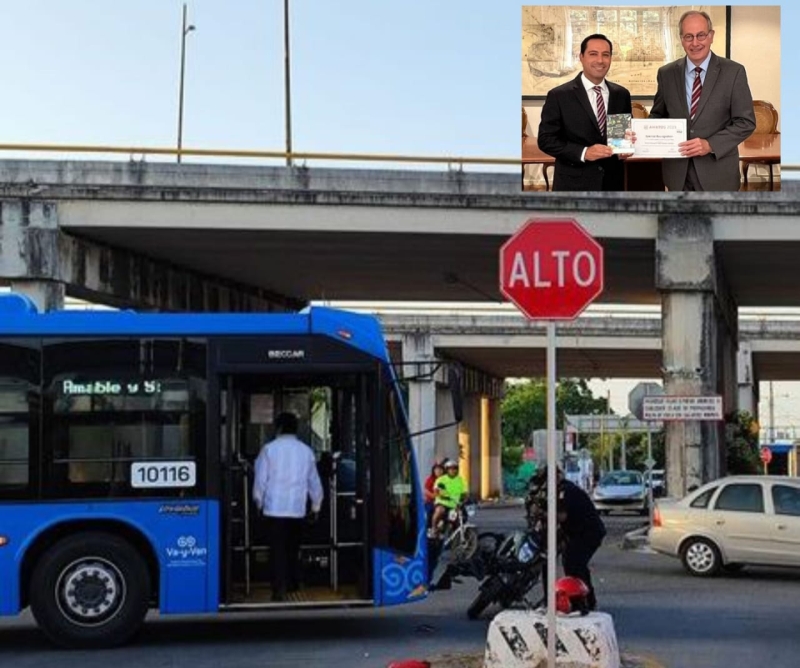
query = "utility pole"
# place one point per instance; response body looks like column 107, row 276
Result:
column 185, row 30
column 287, row 83
column 605, row 423
column 771, row 414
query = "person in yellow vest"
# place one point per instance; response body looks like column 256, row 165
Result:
column 451, row 490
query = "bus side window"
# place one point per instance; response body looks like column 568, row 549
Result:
column 19, row 407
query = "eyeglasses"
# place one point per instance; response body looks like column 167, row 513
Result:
column 701, row 37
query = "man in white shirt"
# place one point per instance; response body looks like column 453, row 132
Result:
column 285, row 476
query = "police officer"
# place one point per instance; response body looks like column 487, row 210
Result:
column 580, row 527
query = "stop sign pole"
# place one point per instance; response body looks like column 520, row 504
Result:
column 551, row 269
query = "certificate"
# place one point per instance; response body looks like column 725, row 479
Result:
column 658, row 137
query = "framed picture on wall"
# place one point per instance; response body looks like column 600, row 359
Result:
column 644, row 39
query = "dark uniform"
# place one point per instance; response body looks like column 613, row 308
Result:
column 582, row 531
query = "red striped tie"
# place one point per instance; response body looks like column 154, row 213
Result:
column 601, row 110
column 697, row 89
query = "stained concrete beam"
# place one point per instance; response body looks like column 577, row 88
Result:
column 34, row 251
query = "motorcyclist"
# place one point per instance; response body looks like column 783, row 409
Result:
column 581, row 530
column 437, row 471
column 451, row 491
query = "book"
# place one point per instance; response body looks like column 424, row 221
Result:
column 618, row 130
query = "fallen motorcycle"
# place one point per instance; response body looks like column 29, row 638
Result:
column 510, row 572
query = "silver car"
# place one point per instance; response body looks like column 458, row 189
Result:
column 620, row 490
column 731, row 522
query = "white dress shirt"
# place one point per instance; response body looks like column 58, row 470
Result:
column 285, row 475
column 589, row 86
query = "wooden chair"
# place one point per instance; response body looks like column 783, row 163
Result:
column 766, row 118
column 639, row 110
column 766, row 124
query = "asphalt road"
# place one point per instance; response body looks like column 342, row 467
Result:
column 731, row 622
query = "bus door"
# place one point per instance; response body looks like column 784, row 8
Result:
column 335, row 420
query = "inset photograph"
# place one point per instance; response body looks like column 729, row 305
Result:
column 651, row 98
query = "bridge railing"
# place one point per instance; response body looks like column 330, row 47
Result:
column 484, row 309
column 451, row 161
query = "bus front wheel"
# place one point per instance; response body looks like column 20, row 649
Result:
column 90, row 590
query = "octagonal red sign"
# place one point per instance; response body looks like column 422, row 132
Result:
column 551, row 269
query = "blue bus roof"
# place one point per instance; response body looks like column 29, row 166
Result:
column 19, row 317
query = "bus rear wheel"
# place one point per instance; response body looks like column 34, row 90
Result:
column 90, row 590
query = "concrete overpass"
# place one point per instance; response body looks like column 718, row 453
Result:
column 355, row 232
column 170, row 236
column 499, row 345
column 593, row 346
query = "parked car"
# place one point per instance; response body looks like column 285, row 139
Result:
column 621, row 490
column 659, row 482
column 730, row 522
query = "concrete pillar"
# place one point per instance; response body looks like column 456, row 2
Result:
column 699, row 344
column 446, row 439
column 418, row 348
column 485, row 449
column 464, row 454
column 30, row 252
column 495, row 457
column 470, row 442
column 47, row 295
column 747, row 380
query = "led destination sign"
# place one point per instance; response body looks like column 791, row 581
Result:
column 109, row 387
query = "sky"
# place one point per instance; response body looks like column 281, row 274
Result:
column 415, row 77
column 368, row 76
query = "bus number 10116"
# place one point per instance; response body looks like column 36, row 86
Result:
column 163, row 474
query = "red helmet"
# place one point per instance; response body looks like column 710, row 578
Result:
column 572, row 595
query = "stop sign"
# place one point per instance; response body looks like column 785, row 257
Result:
column 551, row 269
column 766, row 455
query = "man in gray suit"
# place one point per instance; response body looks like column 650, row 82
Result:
column 712, row 94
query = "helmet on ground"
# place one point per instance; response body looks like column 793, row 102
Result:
column 572, row 595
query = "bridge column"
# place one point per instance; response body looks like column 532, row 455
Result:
column 699, row 344
column 470, row 444
column 748, row 381
column 29, row 251
column 418, row 348
column 496, row 436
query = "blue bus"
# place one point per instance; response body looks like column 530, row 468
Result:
column 127, row 443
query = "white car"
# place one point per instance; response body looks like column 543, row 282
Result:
column 731, row 522
column 621, row 490
column 658, row 478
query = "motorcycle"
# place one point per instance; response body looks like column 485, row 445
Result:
column 453, row 545
column 511, row 569
column 459, row 536
column 510, row 572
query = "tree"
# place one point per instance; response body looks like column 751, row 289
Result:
column 524, row 408
column 741, row 443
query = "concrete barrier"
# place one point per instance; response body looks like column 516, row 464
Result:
column 475, row 660
column 518, row 639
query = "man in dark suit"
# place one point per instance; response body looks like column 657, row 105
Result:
column 712, row 94
column 573, row 127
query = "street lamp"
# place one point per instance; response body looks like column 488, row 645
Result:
column 185, row 30
column 287, row 82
